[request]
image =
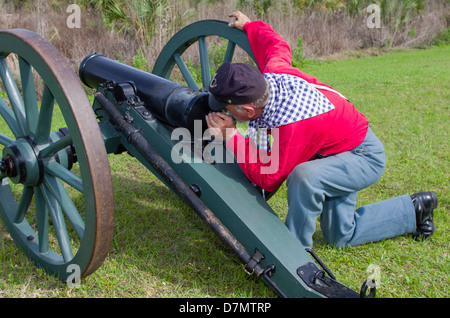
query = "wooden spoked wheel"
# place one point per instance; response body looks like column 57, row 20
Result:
column 56, row 197
column 196, row 36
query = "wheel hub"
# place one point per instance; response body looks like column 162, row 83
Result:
column 21, row 162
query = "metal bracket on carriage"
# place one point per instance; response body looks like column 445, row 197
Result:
column 126, row 93
column 316, row 279
column 254, row 263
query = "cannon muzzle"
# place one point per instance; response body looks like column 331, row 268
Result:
column 170, row 102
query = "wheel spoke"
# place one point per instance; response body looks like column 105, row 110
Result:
column 204, row 62
column 229, row 52
column 5, row 140
column 13, row 94
column 185, row 72
column 56, row 170
column 42, row 221
column 25, row 201
column 29, row 96
column 59, row 145
column 45, row 117
column 58, row 223
column 68, row 207
column 9, row 118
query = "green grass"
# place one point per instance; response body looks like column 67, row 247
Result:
column 162, row 249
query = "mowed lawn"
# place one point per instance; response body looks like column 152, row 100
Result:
column 161, row 248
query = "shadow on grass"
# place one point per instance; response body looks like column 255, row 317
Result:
column 156, row 232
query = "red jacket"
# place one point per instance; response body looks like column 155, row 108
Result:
column 336, row 131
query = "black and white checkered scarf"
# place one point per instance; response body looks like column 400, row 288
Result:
column 291, row 99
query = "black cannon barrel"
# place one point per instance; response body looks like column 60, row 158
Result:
column 170, row 102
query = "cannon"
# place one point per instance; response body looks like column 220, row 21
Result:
column 56, row 193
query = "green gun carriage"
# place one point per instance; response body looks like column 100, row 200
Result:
column 56, row 193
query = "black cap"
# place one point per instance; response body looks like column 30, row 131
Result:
column 235, row 84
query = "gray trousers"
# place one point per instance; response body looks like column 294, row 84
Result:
column 328, row 188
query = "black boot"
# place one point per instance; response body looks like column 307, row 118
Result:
column 424, row 204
